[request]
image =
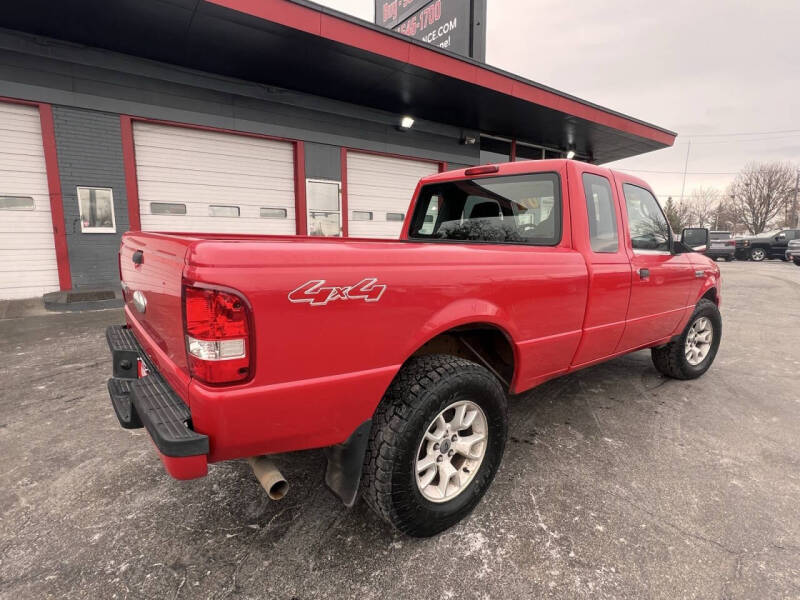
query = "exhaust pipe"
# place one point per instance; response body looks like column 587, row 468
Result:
column 269, row 477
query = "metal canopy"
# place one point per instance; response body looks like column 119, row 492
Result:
column 301, row 46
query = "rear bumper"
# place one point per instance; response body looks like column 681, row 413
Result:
column 151, row 403
column 720, row 252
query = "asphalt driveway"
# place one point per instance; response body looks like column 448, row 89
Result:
column 616, row 483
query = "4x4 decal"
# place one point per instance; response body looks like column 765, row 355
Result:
column 316, row 293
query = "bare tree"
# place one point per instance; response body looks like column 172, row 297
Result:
column 703, row 205
column 760, row 193
column 678, row 214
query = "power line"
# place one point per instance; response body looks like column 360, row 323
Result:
column 678, row 172
column 768, row 139
column 694, row 135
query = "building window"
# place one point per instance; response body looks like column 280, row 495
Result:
column 273, row 213
column 494, row 150
column 96, row 210
column 527, row 152
column 167, row 208
column 223, row 211
column 16, row 203
column 362, row 215
column 395, row 217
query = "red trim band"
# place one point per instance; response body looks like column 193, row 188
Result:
column 300, row 216
column 351, row 34
column 345, row 212
column 129, row 166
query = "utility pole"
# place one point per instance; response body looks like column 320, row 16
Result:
column 685, row 168
column 795, row 221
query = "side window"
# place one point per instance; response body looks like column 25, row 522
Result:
column 649, row 229
column 602, row 216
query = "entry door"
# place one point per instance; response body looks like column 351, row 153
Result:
column 662, row 281
column 324, row 201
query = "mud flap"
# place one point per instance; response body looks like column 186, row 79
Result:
column 345, row 463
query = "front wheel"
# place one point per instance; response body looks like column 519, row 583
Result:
column 758, row 254
column 436, row 442
column 691, row 355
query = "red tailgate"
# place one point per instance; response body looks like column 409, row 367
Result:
column 151, row 269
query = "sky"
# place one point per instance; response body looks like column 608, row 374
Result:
column 705, row 69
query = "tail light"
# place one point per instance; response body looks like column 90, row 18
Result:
column 217, row 327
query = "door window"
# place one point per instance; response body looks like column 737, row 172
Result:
column 602, row 217
column 324, row 208
column 648, row 227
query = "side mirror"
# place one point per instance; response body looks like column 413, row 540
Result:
column 780, row 237
column 695, row 238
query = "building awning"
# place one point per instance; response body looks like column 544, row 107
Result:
column 302, row 46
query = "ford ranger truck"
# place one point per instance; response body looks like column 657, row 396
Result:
column 396, row 356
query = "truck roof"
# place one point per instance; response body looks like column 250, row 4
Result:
column 521, row 167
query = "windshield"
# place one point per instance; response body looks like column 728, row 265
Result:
column 522, row 209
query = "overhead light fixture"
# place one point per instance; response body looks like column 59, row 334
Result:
column 570, row 154
column 407, row 122
column 468, row 140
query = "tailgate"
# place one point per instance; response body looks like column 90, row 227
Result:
column 151, row 268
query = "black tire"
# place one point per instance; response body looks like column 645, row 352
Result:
column 423, row 388
column 670, row 360
column 728, row 258
column 796, row 261
column 758, row 254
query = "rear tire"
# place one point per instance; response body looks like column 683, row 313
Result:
column 796, row 261
column 401, row 440
column 672, row 360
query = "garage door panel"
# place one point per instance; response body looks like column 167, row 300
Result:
column 28, row 265
column 193, row 177
column 381, row 185
column 209, row 142
column 199, row 169
column 213, row 162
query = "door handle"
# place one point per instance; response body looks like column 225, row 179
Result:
column 644, row 273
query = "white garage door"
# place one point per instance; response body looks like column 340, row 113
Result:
column 379, row 191
column 28, row 265
column 206, row 181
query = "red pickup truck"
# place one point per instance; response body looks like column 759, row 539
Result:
column 396, row 356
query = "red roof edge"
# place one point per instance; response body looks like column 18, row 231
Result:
column 329, row 24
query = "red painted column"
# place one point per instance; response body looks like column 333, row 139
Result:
column 300, row 212
column 129, row 166
column 345, row 212
column 56, row 198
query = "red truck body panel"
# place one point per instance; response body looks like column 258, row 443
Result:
column 321, row 368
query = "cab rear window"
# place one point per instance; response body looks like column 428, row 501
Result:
column 514, row 209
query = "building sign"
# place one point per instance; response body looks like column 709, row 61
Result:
column 389, row 13
column 455, row 25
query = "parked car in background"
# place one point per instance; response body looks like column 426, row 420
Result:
column 793, row 251
column 722, row 245
column 766, row 245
